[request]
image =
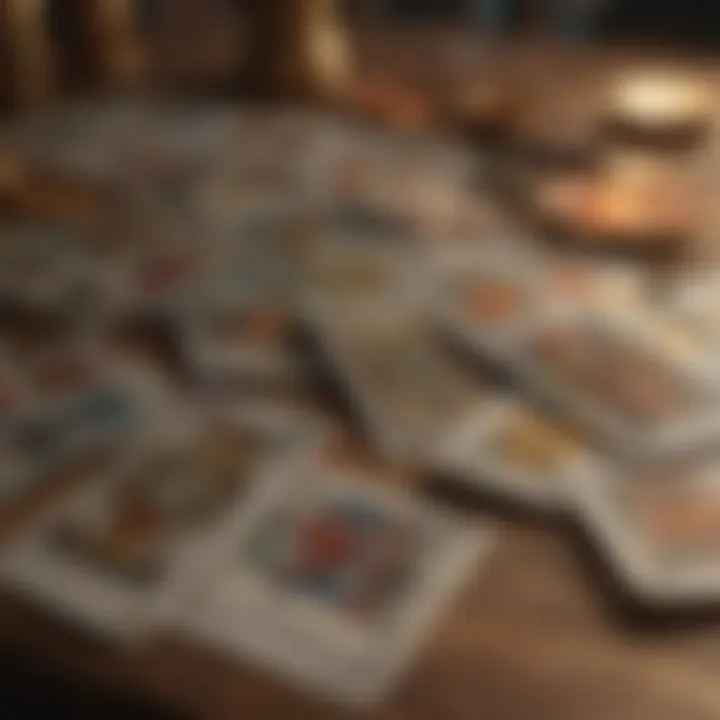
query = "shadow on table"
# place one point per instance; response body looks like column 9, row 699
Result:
column 27, row 690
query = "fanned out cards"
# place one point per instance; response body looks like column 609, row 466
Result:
column 657, row 526
column 599, row 373
column 406, row 389
column 511, row 450
column 333, row 582
column 636, row 403
column 491, row 301
column 109, row 557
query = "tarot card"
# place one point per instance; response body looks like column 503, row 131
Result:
column 617, row 389
column 188, row 134
column 108, row 557
column 19, row 472
column 37, row 263
column 333, row 583
column 238, row 324
column 658, row 527
column 125, row 402
column 15, row 395
column 696, row 304
column 665, row 336
column 512, row 450
column 58, row 372
column 405, row 387
column 159, row 279
column 489, row 305
column 95, row 403
column 606, row 286
column 33, row 448
column 43, row 439
column 349, row 277
column 91, row 140
column 241, row 342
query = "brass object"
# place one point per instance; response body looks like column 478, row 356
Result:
column 114, row 45
column 298, row 49
column 28, row 65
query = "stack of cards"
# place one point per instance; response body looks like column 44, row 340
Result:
column 331, row 582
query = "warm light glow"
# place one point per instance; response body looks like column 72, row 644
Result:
column 659, row 98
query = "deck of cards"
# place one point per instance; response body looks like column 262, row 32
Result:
column 235, row 241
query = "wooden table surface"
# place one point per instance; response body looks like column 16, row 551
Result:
column 537, row 635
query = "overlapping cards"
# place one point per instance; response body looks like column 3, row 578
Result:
column 109, row 556
column 406, row 389
column 333, row 583
column 232, row 228
column 601, row 375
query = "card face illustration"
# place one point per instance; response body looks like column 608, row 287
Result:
column 169, row 493
column 406, row 387
column 351, row 557
column 676, row 512
column 490, row 306
column 166, row 273
column 108, row 556
column 509, row 448
column 333, row 582
column 491, row 303
column 609, row 372
column 231, row 326
column 62, row 374
column 350, row 279
column 227, row 343
column 17, row 474
column 534, row 445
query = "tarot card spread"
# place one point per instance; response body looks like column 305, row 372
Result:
column 334, row 583
column 110, row 555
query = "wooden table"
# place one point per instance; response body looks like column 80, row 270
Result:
column 531, row 637
column 534, row 636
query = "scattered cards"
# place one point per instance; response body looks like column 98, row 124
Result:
column 333, row 583
column 110, row 556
